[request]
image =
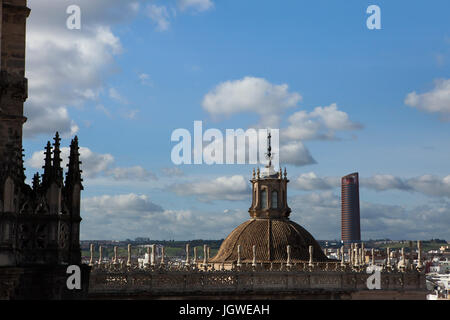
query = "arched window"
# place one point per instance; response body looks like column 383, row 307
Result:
column 263, row 199
column 274, row 199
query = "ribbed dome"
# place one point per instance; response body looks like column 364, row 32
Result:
column 271, row 238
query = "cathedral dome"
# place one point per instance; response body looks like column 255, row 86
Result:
column 269, row 230
column 271, row 238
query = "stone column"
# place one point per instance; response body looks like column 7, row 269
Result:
column 342, row 257
column 410, row 260
column 419, row 256
column 288, row 262
column 311, row 256
column 91, row 261
column 100, row 255
column 205, row 255
column 363, row 254
column 351, row 250
column 129, row 255
column 195, row 255
column 402, row 265
column 388, row 257
column 239, row 255
column 115, row 255
column 153, row 255
column 187, row 263
column 373, row 256
column 163, row 252
column 254, row 256
column 149, row 255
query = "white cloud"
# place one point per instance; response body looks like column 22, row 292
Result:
column 66, row 68
column 131, row 215
column 270, row 102
column 160, row 16
column 198, row 5
column 429, row 185
column 319, row 124
column 222, row 188
column 95, row 165
column 121, row 204
column 436, row 100
column 310, row 181
column 115, row 95
column 384, row 182
column 173, row 172
column 92, row 163
column 104, row 110
column 295, row 153
column 132, row 173
column 145, row 79
column 320, row 214
column 251, row 94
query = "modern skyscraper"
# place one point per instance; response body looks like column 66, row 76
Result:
column 350, row 225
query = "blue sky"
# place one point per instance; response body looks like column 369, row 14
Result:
column 137, row 70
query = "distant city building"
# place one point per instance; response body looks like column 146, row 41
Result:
column 350, row 225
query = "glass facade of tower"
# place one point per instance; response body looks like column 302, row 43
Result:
column 350, row 225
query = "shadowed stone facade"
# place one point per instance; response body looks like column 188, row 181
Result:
column 39, row 224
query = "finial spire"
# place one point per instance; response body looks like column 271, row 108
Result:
column 57, row 170
column 36, row 181
column 269, row 148
column 73, row 174
column 48, row 164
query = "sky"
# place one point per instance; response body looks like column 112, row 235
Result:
column 344, row 98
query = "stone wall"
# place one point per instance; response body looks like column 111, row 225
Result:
column 167, row 284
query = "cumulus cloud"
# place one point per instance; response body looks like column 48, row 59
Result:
column 92, row 163
column 121, row 204
column 382, row 182
column 321, row 124
column 222, row 188
column 132, row 173
column 430, row 185
column 95, row 165
column 295, row 153
column 198, row 5
column 251, row 94
column 160, row 16
column 131, row 215
column 115, row 95
column 145, row 79
column 320, row 213
column 271, row 102
column 173, row 172
column 66, row 67
column 310, row 181
column 437, row 100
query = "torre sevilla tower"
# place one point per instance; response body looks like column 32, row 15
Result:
column 350, row 228
column 269, row 233
column 39, row 224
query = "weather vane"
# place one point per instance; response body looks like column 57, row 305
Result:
column 269, row 148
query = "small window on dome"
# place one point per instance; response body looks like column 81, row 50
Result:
column 274, row 199
column 263, row 199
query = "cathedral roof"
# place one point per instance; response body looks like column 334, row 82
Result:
column 271, row 238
